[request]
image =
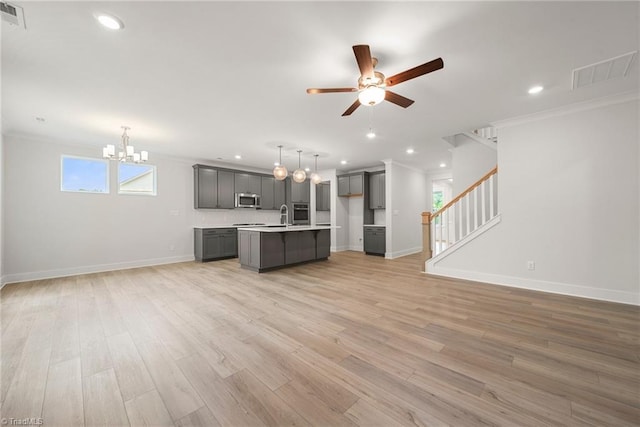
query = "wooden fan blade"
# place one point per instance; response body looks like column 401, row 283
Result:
column 363, row 57
column 420, row 70
column 351, row 109
column 332, row 90
column 397, row 99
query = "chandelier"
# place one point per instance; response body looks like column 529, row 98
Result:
column 126, row 152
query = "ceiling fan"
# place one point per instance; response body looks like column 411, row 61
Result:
column 372, row 84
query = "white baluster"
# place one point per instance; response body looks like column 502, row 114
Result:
column 433, row 242
column 468, row 203
column 484, row 202
column 475, row 208
column 491, row 197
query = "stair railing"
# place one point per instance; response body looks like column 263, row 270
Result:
column 467, row 212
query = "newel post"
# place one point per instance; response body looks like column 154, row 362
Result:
column 426, row 238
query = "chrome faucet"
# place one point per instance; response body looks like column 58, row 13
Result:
column 284, row 211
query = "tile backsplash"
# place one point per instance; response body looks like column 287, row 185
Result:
column 203, row 218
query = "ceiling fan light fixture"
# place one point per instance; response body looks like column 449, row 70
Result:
column 371, row 95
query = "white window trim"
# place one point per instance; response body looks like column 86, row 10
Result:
column 93, row 159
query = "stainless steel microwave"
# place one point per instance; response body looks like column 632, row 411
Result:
column 246, row 200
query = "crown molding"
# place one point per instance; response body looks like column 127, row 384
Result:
column 568, row 109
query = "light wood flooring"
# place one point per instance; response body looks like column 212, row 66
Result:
column 355, row 340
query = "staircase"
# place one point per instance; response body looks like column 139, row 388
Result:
column 462, row 219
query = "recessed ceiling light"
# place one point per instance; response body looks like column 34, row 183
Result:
column 276, row 164
column 344, row 162
column 238, row 156
column 371, row 134
column 443, row 165
column 450, row 179
column 109, row 21
column 535, row 89
column 410, row 151
column 307, row 169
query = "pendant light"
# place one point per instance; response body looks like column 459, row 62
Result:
column 299, row 175
column 280, row 172
column 315, row 177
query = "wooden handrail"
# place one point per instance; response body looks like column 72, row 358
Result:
column 465, row 192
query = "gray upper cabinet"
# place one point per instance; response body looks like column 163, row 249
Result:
column 279, row 194
column 300, row 192
column 213, row 188
column 206, row 188
column 377, row 191
column 323, row 197
column 272, row 196
column 247, row 183
column 267, row 195
column 226, row 192
column 351, row 185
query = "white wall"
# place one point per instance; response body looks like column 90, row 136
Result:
column 470, row 162
column 407, row 196
column 569, row 201
column 49, row 233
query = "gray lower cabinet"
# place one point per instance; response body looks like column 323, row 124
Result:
column 215, row 243
column 260, row 251
column 323, row 244
column 300, row 246
column 374, row 240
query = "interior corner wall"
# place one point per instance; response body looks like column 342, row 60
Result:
column 2, row 206
column 470, row 160
column 568, row 195
column 50, row 233
column 409, row 198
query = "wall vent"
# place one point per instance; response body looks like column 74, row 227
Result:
column 12, row 14
column 609, row 69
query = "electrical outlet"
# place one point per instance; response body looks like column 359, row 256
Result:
column 531, row 265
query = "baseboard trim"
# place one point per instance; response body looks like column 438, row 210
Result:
column 404, row 252
column 539, row 285
column 98, row 268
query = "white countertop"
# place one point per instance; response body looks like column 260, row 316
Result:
column 231, row 226
column 374, row 225
column 288, row 228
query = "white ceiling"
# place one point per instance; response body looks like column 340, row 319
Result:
column 209, row 80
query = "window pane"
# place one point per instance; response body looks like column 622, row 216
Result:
column 84, row 175
column 136, row 179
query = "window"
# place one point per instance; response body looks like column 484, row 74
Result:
column 136, row 179
column 84, row 175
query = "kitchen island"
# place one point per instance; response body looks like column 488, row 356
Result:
column 267, row 248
